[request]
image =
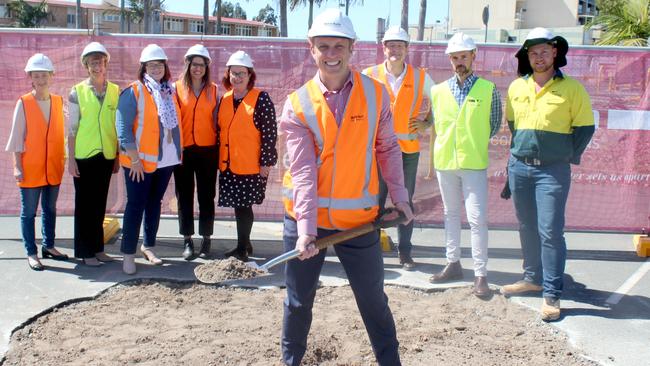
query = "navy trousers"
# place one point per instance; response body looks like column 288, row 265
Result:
column 363, row 263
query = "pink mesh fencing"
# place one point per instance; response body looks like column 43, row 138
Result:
column 610, row 189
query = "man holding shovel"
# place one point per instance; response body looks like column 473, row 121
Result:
column 338, row 127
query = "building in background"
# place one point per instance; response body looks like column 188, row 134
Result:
column 106, row 18
column 511, row 20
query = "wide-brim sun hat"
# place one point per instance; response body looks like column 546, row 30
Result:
column 540, row 36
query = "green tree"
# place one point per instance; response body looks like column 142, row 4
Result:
column 228, row 10
column 29, row 16
column 267, row 15
column 624, row 23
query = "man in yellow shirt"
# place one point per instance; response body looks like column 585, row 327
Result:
column 550, row 117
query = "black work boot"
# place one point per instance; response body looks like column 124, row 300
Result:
column 188, row 253
column 205, row 248
column 239, row 252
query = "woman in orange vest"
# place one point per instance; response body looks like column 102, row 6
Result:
column 148, row 129
column 37, row 144
column 247, row 136
column 197, row 97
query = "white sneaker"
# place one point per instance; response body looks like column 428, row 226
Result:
column 128, row 264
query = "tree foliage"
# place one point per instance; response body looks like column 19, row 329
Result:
column 267, row 15
column 228, row 10
column 28, row 16
column 624, row 23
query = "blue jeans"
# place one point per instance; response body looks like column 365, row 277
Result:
column 404, row 232
column 363, row 263
column 539, row 194
column 28, row 205
column 143, row 198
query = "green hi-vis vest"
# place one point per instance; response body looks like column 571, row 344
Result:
column 96, row 133
column 462, row 133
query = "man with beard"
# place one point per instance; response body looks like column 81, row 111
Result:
column 408, row 87
column 550, row 117
column 467, row 113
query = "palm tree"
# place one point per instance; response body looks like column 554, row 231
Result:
column 78, row 16
column 421, row 20
column 404, row 23
column 206, row 16
column 217, row 13
column 624, row 25
column 283, row 18
column 294, row 3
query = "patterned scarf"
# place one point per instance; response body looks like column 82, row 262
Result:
column 162, row 95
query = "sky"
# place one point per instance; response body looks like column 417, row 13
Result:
column 364, row 17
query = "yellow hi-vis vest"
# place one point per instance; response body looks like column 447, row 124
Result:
column 348, row 185
column 96, row 132
column 405, row 105
column 462, row 132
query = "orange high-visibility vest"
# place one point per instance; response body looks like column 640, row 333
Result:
column 44, row 155
column 405, row 105
column 146, row 128
column 197, row 113
column 348, row 184
column 240, row 142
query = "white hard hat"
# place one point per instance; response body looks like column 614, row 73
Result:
column 198, row 50
column 240, row 58
column 332, row 23
column 94, row 47
column 395, row 33
column 39, row 62
column 539, row 32
column 152, row 52
column 460, row 42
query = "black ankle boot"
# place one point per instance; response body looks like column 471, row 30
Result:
column 249, row 248
column 205, row 248
column 239, row 252
column 188, row 253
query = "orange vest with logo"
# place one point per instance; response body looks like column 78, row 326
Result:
column 146, row 128
column 405, row 105
column 240, row 142
column 197, row 114
column 348, row 184
column 44, row 156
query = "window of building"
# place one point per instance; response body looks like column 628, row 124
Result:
column 4, row 11
column 244, row 30
column 264, row 32
column 174, row 24
column 71, row 18
column 225, row 29
column 111, row 17
column 196, row 26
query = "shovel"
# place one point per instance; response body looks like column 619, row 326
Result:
column 390, row 218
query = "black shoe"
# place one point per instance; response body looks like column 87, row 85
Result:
column 249, row 248
column 35, row 264
column 188, row 253
column 205, row 248
column 239, row 253
column 406, row 261
column 45, row 253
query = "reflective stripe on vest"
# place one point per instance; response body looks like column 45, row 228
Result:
column 44, row 156
column 462, row 133
column 240, row 142
column 406, row 105
column 197, row 114
column 347, row 186
column 96, row 132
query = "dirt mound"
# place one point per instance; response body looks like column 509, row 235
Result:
column 176, row 324
column 225, row 269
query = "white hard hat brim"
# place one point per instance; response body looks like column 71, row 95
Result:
column 449, row 51
column 330, row 34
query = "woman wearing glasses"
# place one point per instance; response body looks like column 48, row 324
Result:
column 247, row 136
column 197, row 98
column 149, row 133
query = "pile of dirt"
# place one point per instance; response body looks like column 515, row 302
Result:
column 181, row 324
column 225, row 269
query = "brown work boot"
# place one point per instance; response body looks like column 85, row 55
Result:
column 452, row 272
column 481, row 288
column 406, row 261
column 520, row 287
column 550, row 309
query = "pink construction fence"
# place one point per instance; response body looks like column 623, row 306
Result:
column 610, row 189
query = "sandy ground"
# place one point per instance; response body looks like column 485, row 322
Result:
column 166, row 323
column 225, row 269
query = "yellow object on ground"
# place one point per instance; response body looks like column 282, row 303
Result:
column 111, row 227
column 642, row 245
